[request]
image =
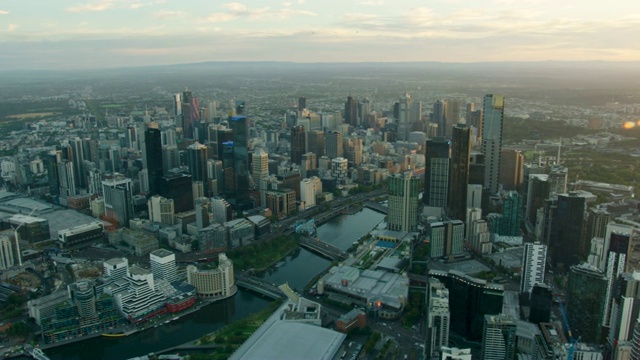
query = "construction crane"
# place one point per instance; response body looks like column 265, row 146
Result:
column 572, row 340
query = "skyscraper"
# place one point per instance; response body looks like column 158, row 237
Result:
column 511, row 168
column 493, row 110
column 404, row 117
column 586, row 297
column 161, row 210
column 315, row 143
column 333, row 144
column 403, row 202
column 260, row 166
column 566, row 237
column 436, row 175
column 438, row 317
column 459, row 171
column 118, row 199
column 534, row 259
column 153, row 146
column 302, row 103
column 297, row 144
column 51, row 161
column 163, row 265
column 188, row 112
column 498, row 338
column 451, row 116
column 353, row 151
column 197, row 161
column 240, row 158
column 438, row 116
column 351, row 111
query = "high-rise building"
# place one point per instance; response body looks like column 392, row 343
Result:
column 436, row 175
column 403, row 117
column 438, row 116
column 298, row 146
column 353, row 151
column 163, row 265
column 308, row 164
column 260, row 167
column 241, row 158
column 177, row 185
column 51, row 161
column 161, row 210
column 498, row 338
column 302, row 103
column 566, row 239
column 534, row 259
column 446, row 238
column 116, row 269
column 470, row 299
column 315, row 142
column 403, row 202
column 511, row 169
column 222, row 211
column 67, row 186
column 351, row 111
column 625, row 307
column 77, row 157
column 333, row 144
column 540, row 300
column 537, row 194
column 155, row 166
column 586, row 298
column 493, row 110
column 511, row 214
column 177, row 105
column 617, row 250
column 437, row 319
column 118, row 199
column 308, row 192
column 6, row 251
column 459, row 171
column 170, row 158
column 558, row 177
column 451, row 117
column 197, row 161
column 597, row 220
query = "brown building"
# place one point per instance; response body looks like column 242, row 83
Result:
column 354, row 319
column 511, row 168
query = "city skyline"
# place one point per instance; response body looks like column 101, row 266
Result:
column 117, row 33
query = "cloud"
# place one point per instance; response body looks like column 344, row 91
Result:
column 12, row 27
column 237, row 10
column 102, row 5
column 4, row 12
column 168, row 14
column 371, row 3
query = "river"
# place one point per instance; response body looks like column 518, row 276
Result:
column 297, row 269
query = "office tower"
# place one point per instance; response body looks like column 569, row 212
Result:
column 351, row 111
column 493, row 110
column 473, row 214
column 51, row 160
column 403, row 117
column 217, row 135
column 190, row 114
column 177, row 105
column 333, row 145
column 297, row 144
column 118, row 199
column 302, row 103
column 534, row 259
column 436, row 175
column 451, row 117
column 586, row 298
column 260, row 166
column 566, row 239
column 459, row 172
column 353, row 151
column 222, row 211
column 78, row 163
column 67, row 185
column 540, row 304
column 83, row 295
column 498, row 338
column 511, row 168
column 6, row 250
column 403, row 202
column 177, row 186
column 617, row 250
column 511, row 214
column 308, row 192
column 438, row 316
column 558, row 180
column 202, row 205
column 625, row 307
column 240, row 107
column 170, row 158
column 308, row 164
column 168, row 137
column 474, row 195
column 339, row 168
column 240, row 158
column 364, row 110
column 470, row 299
column 537, row 194
column 163, row 265
column 597, row 220
column 116, row 269
column 446, row 238
column 197, row 161
column 153, row 146
column 438, row 116
column 132, row 138
column 161, row 210
column 315, row 142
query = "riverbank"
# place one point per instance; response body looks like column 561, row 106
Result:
column 263, row 255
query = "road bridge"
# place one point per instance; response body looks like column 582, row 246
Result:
column 258, row 285
column 322, row 248
column 376, row 207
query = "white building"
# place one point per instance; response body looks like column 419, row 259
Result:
column 339, row 167
column 213, row 283
column 116, row 268
column 163, row 265
column 161, row 210
column 6, row 251
column 438, row 317
column 533, row 264
column 455, row 354
column 308, row 192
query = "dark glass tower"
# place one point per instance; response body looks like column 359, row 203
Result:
column 297, row 143
column 241, row 158
column 459, row 171
column 436, row 175
column 197, row 161
column 351, row 111
column 566, row 242
column 153, row 147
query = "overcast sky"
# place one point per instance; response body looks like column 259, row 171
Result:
column 68, row 34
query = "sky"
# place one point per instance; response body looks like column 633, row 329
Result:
column 85, row 34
